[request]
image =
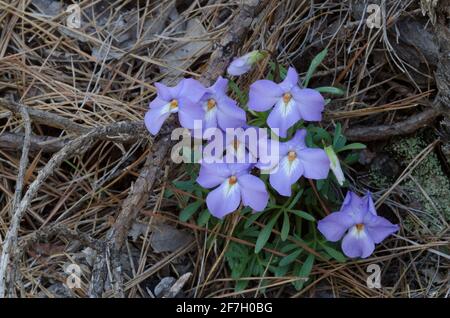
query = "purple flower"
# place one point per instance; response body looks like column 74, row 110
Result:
column 235, row 184
column 183, row 99
column 292, row 103
column 244, row 63
column 297, row 160
column 220, row 110
column 358, row 218
column 234, row 145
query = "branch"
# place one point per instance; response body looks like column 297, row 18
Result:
column 46, row 144
column 10, row 244
column 136, row 128
column 46, row 118
column 405, row 127
column 133, row 204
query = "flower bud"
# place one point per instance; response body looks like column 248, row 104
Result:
column 243, row 64
column 335, row 165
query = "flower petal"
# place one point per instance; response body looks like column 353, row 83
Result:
column 378, row 227
column 298, row 141
column 230, row 115
column 189, row 112
column 155, row 117
column 354, row 206
column 239, row 66
column 315, row 163
column 357, row 243
column 239, row 155
column 263, row 95
column 310, row 103
column 224, row 200
column 370, row 205
column 334, row 226
column 290, row 81
column 192, row 89
column 213, row 174
column 283, row 116
column 268, row 153
column 239, row 169
column 287, row 173
column 254, row 192
column 220, row 86
column 167, row 93
column 210, row 120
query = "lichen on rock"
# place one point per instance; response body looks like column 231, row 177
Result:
column 427, row 188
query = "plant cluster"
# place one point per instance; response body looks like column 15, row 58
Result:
column 278, row 201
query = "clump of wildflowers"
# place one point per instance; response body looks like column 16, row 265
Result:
column 229, row 161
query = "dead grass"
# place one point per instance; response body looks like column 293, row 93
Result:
column 103, row 74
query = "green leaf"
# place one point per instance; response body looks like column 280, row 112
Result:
column 337, row 130
column 354, row 146
column 290, row 258
column 188, row 186
column 314, row 64
column 303, row 215
column 351, row 158
column 307, row 266
column 235, row 88
column 304, row 271
column 333, row 253
column 289, row 247
column 320, row 135
column 330, row 90
column 320, row 184
column 295, row 199
column 264, row 235
column 280, row 271
column 252, row 218
column 203, row 218
column 281, row 71
column 189, row 210
column 168, row 194
column 285, row 228
column 338, row 139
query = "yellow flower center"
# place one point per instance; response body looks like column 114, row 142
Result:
column 211, row 104
column 292, row 155
column 287, row 98
column 359, row 227
column 232, row 180
column 173, row 104
column 236, row 144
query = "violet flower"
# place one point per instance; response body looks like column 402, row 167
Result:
column 240, row 144
column 234, row 145
column 220, row 110
column 235, row 184
column 183, row 99
column 358, row 218
column 243, row 64
column 297, row 160
column 292, row 103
